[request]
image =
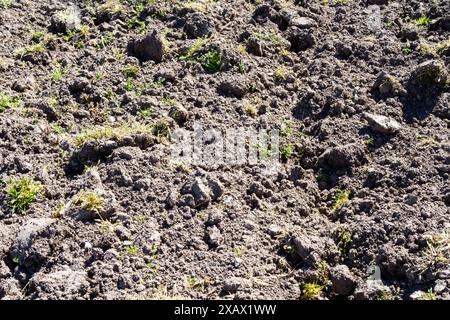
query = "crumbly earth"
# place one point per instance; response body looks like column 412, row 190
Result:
column 358, row 209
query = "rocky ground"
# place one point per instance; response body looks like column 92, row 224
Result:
column 93, row 207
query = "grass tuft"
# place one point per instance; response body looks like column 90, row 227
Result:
column 89, row 201
column 6, row 102
column 22, row 193
column 429, row 295
column 422, row 21
column 159, row 129
column 6, row 3
column 340, row 199
column 30, row 50
column 312, row 291
column 99, row 133
column 211, row 60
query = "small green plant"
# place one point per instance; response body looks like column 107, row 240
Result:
column 242, row 67
column 98, row 76
column 424, row 142
column 211, row 60
column 158, row 83
column 111, row 7
column 369, row 141
column 436, row 251
column 271, row 36
column 107, row 226
column 192, row 52
column 340, row 199
column 58, row 211
column 135, row 22
column 161, row 129
column 242, row 49
column 251, row 108
column 199, row 5
column 153, row 256
column 79, row 36
column 284, row 243
column 113, row 133
column 407, row 49
column 239, row 252
column 311, row 291
column 129, row 85
column 202, row 216
column 441, row 46
column 38, row 35
column 287, row 148
column 426, row 48
column 22, row 193
column 27, row 140
column 158, row 14
column 34, row 48
column 280, row 74
column 386, row 295
column 131, row 71
column 79, row 44
column 57, row 128
column 58, row 73
column 141, row 218
column 138, row 8
column 6, row 102
column 133, row 250
column 105, row 40
column 168, row 101
column 53, row 102
column 287, row 151
column 117, row 53
column 111, row 96
column 69, row 36
column 286, row 128
column 6, row 3
column 322, row 269
column 429, row 295
column 344, row 242
column 423, row 21
column 145, row 112
column 89, row 201
column 285, row 52
column 185, row 168
column 84, row 30
column 194, row 283
column 264, row 151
